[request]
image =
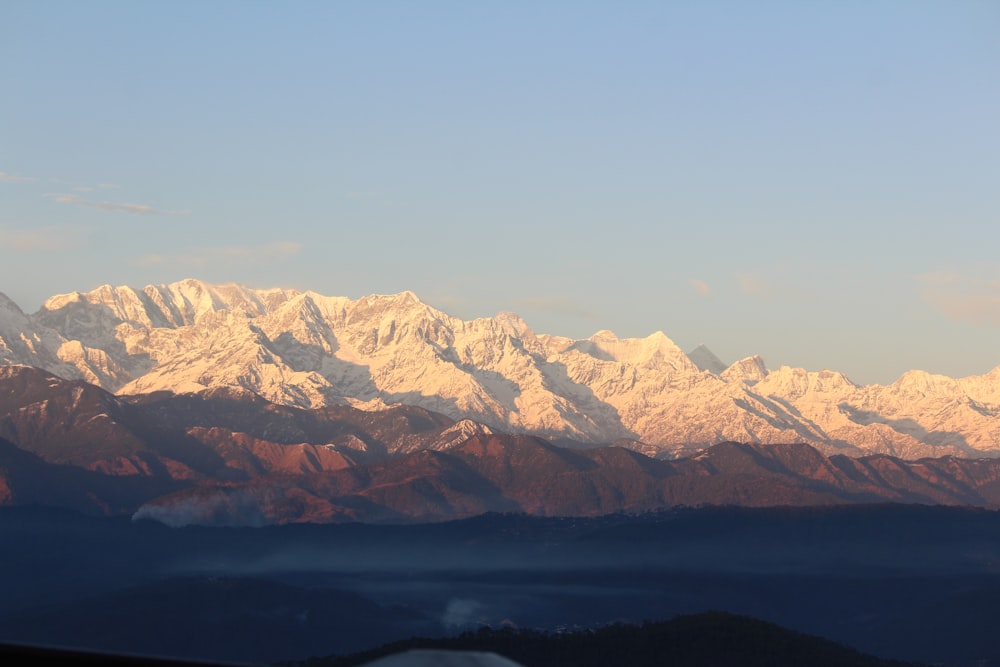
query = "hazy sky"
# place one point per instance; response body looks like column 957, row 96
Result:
column 817, row 183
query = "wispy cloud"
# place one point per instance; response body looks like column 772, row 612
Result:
column 974, row 299
column 551, row 304
column 700, row 287
column 134, row 209
column 82, row 187
column 53, row 238
column 752, row 284
column 448, row 301
column 224, row 255
column 13, row 178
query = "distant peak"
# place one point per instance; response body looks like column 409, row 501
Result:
column 915, row 374
column 99, row 294
column 661, row 341
column 8, row 304
column 514, row 321
column 749, row 369
column 191, row 284
column 405, row 297
column 754, row 359
column 705, row 360
column 918, row 380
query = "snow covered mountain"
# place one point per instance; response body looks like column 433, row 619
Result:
column 308, row 350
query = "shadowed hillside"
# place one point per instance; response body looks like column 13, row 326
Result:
column 718, row 639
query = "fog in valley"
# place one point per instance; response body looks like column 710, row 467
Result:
column 907, row 582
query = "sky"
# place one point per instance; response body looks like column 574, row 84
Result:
column 816, row 183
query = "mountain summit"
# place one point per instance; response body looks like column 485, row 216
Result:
column 308, row 350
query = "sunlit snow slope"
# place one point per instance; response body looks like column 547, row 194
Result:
column 306, row 349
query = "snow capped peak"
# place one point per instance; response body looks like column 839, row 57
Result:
column 459, row 432
column 404, row 298
column 750, row 370
column 603, row 335
column 921, row 383
column 658, row 343
column 555, row 344
column 705, row 360
column 310, row 350
column 514, row 324
column 404, row 306
column 408, row 297
column 983, row 388
column 194, row 299
column 798, row 382
column 915, row 376
column 57, row 301
column 652, row 351
column 192, row 284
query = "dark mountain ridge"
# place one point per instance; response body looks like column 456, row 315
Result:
column 230, row 457
column 710, row 638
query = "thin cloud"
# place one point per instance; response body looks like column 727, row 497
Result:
column 13, row 178
column 752, row 284
column 224, row 255
column 81, row 187
column 551, row 304
column 700, row 287
column 941, row 279
column 449, row 301
column 965, row 298
column 134, row 209
column 53, row 238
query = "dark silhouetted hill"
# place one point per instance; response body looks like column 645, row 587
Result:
column 717, row 639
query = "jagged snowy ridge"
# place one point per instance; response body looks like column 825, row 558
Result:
column 309, row 350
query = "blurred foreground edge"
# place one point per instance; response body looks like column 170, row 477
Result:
column 23, row 654
column 442, row 658
column 15, row 654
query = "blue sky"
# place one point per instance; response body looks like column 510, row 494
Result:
column 817, row 183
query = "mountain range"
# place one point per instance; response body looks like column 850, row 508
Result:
column 229, row 457
column 305, row 350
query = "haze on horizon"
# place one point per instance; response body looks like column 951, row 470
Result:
column 814, row 184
